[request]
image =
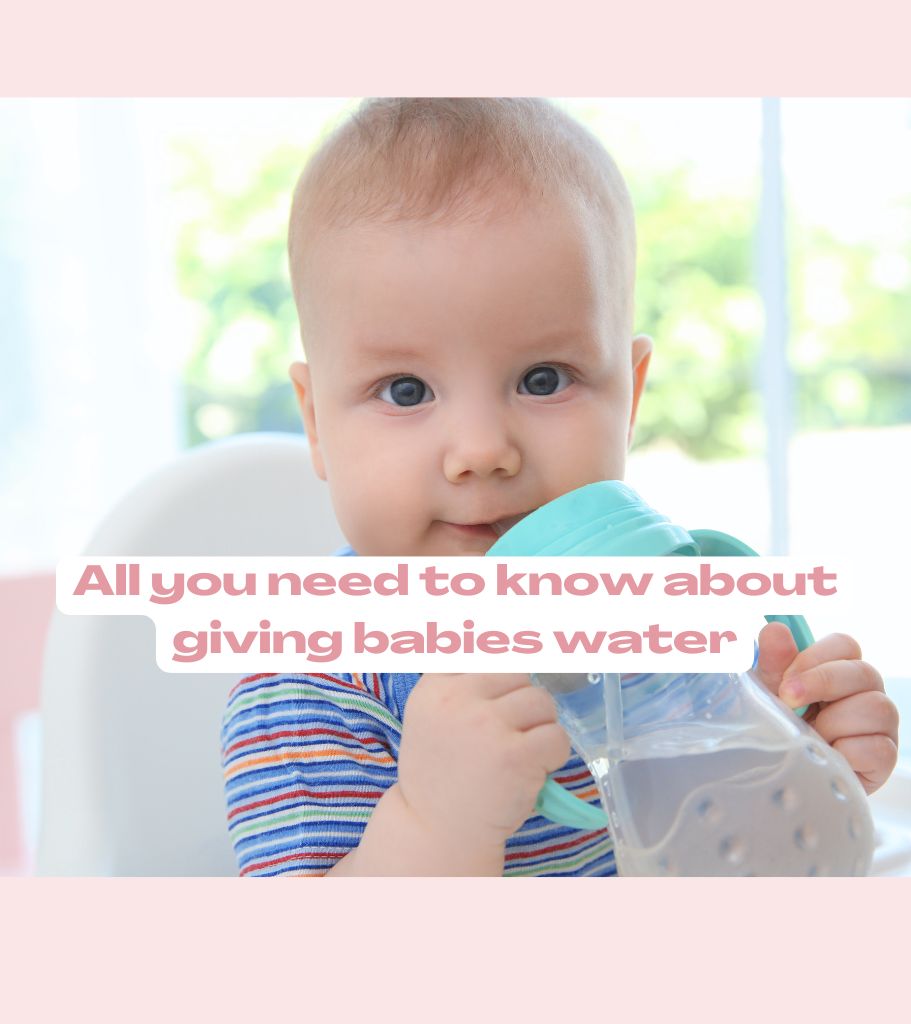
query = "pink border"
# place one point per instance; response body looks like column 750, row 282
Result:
column 453, row 949
column 702, row 47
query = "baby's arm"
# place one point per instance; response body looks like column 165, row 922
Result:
column 395, row 842
column 313, row 786
column 475, row 751
column 306, row 759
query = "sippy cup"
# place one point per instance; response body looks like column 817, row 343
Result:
column 699, row 774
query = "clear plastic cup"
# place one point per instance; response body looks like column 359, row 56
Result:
column 712, row 775
column 699, row 774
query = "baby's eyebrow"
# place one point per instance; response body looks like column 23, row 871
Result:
column 552, row 343
column 561, row 341
column 373, row 352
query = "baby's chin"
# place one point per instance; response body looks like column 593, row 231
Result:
column 464, row 550
column 442, row 540
column 450, row 539
column 451, row 550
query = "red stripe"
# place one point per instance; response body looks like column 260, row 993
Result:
column 291, row 856
column 263, row 736
column 573, row 778
column 361, row 688
column 249, row 679
column 543, row 851
column 308, row 793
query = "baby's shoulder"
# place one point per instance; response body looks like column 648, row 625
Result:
column 350, row 689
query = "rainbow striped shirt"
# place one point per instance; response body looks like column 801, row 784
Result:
column 307, row 757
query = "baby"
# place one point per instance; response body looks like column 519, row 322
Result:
column 463, row 272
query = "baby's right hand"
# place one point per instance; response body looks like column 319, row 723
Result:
column 475, row 752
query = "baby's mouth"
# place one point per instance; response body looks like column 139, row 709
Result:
column 498, row 528
column 508, row 523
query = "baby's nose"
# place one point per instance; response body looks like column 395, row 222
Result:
column 483, row 444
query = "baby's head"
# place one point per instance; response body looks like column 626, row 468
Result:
column 463, row 271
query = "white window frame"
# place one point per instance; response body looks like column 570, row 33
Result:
column 776, row 386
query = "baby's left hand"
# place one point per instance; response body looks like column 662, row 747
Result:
column 848, row 704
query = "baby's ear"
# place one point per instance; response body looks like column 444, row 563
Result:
column 303, row 389
column 642, row 346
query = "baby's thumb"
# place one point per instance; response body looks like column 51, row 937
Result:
column 777, row 649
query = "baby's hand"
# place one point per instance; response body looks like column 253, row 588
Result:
column 475, row 751
column 848, row 704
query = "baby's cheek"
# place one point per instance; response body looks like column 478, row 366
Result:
column 379, row 521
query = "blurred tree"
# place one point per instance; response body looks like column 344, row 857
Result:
column 851, row 337
column 851, row 314
column 695, row 298
column 232, row 264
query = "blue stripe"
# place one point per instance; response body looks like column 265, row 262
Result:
column 337, row 770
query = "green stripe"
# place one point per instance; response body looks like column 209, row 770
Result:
column 356, row 702
column 345, row 815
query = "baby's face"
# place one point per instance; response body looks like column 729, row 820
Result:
column 462, row 375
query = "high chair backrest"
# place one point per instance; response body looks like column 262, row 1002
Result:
column 132, row 781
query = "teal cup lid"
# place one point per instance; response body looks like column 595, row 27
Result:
column 603, row 518
column 610, row 518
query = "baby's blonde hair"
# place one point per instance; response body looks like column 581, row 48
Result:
column 440, row 160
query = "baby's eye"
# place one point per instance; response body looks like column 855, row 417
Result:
column 404, row 391
column 545, row 380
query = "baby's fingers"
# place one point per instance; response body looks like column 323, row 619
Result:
column 862, row 715
column 871, row 757
column 527, row 708
column 834, row 647
column 829, row 681
column 549, row 745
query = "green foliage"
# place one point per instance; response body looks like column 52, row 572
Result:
column 851, row 314
column 851, row 337
column 232, row 263
column 694, row 297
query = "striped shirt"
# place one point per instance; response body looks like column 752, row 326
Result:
column 307, row 757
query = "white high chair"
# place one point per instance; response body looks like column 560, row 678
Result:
column 131, row 781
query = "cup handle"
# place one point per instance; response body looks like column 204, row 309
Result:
column 562, row 807
column 714, row 542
